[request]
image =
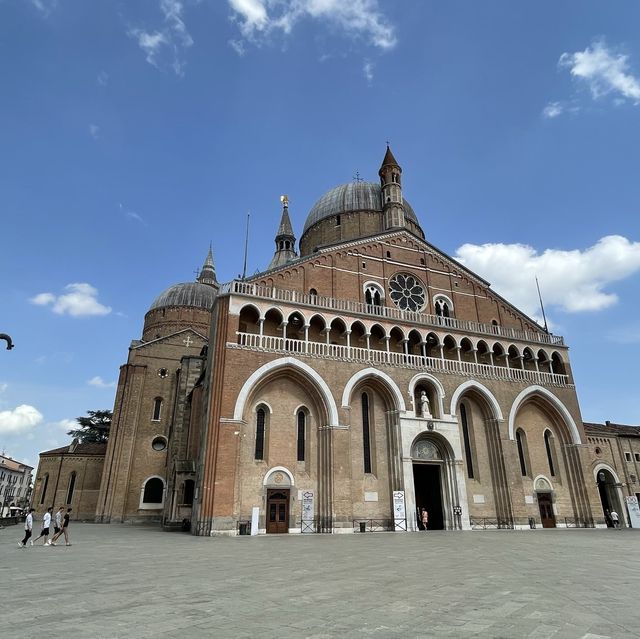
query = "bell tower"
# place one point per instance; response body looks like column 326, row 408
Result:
column 285, row 239
column 390, row 181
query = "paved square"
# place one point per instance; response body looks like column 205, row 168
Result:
column 125, row 581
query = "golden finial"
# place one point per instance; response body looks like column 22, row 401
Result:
column 285, row 200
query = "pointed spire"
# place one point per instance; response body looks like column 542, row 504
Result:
column 208, row 271
column 389, row 160
column 285, row 239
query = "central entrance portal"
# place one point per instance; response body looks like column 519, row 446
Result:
column 428, row 484
column 545, row 503
column 277, row 511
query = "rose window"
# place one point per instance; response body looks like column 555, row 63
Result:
column 407, row 292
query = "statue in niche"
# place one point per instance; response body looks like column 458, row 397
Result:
column 424, row 405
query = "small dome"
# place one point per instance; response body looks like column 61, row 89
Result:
column 192, row 294
column 353, row 196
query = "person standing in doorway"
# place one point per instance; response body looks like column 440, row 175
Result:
column 424, row 518
column 64, row 531
column 28, row 528
column 46, row 522
column 614, row 518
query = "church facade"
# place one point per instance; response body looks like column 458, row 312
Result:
column 350, row 386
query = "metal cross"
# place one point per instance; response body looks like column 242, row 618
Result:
column 187, row 341
column 357, row 178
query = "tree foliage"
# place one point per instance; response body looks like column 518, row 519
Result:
column 94, row 428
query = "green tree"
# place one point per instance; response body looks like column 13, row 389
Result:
column 94, row 428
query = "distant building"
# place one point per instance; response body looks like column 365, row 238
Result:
column 70, row 476
column 15, row 483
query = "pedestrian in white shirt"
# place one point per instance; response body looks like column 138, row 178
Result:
column 28, row 528
column 58, row 520
column 614, row 518
column 46, row 522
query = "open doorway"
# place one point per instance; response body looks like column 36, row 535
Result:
column 428, row 486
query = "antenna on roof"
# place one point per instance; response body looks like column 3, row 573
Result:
column 246, row 246
column 544, row 317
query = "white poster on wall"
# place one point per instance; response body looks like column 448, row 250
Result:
column 308, row 512
column 399, row 513
column 634, row 511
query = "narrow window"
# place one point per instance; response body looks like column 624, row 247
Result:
column 188, row 492
column 388, row 253
column 72, row 485
column 627, row 457
column 301, row 434
column 523, row 465
column 438, row 308
column 366, row 437
column 548, row 441
column 260, row 419
column 157, row 409
column 337, row 220
column 467, row 441
column 44, row 488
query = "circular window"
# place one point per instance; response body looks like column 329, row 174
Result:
column 407, row 292
column 159, row 443
column 163, row 372
column 598, row 451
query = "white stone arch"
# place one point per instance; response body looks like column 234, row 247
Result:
column 483, row 390
column 602, row 466
column 553, row 400
column 375, row 285
column 373, row 372
column 444, row 298
column 261, row 402
column 537, row 477
column 152, row 506
column 276, row 469
column 284, row 362
column 435, row 381
column 255, row 307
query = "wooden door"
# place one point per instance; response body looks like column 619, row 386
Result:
column 277, row 511
column 545, row 504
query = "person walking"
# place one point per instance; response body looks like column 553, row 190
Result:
column 424, row 518
column 614, row 518
column 28, row 528
column 63, row 531
column 57, row 522
column 46, row 522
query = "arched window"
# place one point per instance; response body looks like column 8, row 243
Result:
column 153, row 491
column 302, row 428
column 313, row 292
column 373, row 296
column 72, row 485
column 366, row 435
column 187, row 499
column 548, row 443
column 45, row 483
column 260, row 424
column 443, row 306
column 157, row 409
column 467, row 441
column 521, row 442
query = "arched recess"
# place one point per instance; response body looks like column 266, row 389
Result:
column 438, row 388
column 269, row 477
column 485, row 392
column 533, row 392
column 392, row 387
column 308, row 373
column 610, row 492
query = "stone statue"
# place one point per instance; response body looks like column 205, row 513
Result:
column 424, row 405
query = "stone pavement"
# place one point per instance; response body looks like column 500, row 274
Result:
column 126, row 581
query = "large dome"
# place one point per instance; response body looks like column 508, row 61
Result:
column 353, row 196
column 193, row 294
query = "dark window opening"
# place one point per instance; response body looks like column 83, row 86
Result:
column 337, row 220
column 157, row 409
column 260, row 421
column 388, row 253
column 189, row 485
column 548, row 440
column 153, row 490
column 312, row 291
column 467, row 441
column 301, row 434
column 523, row 465
column 366, row 437
column 72, row 485
column 44, row 488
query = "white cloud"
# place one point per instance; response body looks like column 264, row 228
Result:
column 103, row 78
column 80, row 300
column 98, row 382
column 604, row 71
column 20, row 420
column 170, row 40
column 131, row 214
column 367, row 68
column 553, row 110
column 64, row 425
column 3, row 387
column 356, row 18
column 45, row 7
column 94, row 130
column 573, row 281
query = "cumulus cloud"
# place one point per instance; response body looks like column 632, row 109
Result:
column 64, row 425
column 362, row 19
column 80, row 300
column 169, row 41
column 573, row 281
column 98, row 382
column 604, row 71
column 19, row 420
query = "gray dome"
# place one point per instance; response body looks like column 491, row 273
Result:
column 353, row 196
column 187, row 294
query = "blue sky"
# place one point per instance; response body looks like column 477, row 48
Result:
column 134, row 133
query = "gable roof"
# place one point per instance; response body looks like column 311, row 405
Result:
column 137, row 344
column 80, row 450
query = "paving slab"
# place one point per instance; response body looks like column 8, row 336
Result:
column 119, row 581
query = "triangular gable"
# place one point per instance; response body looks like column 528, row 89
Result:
column 158, row 340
